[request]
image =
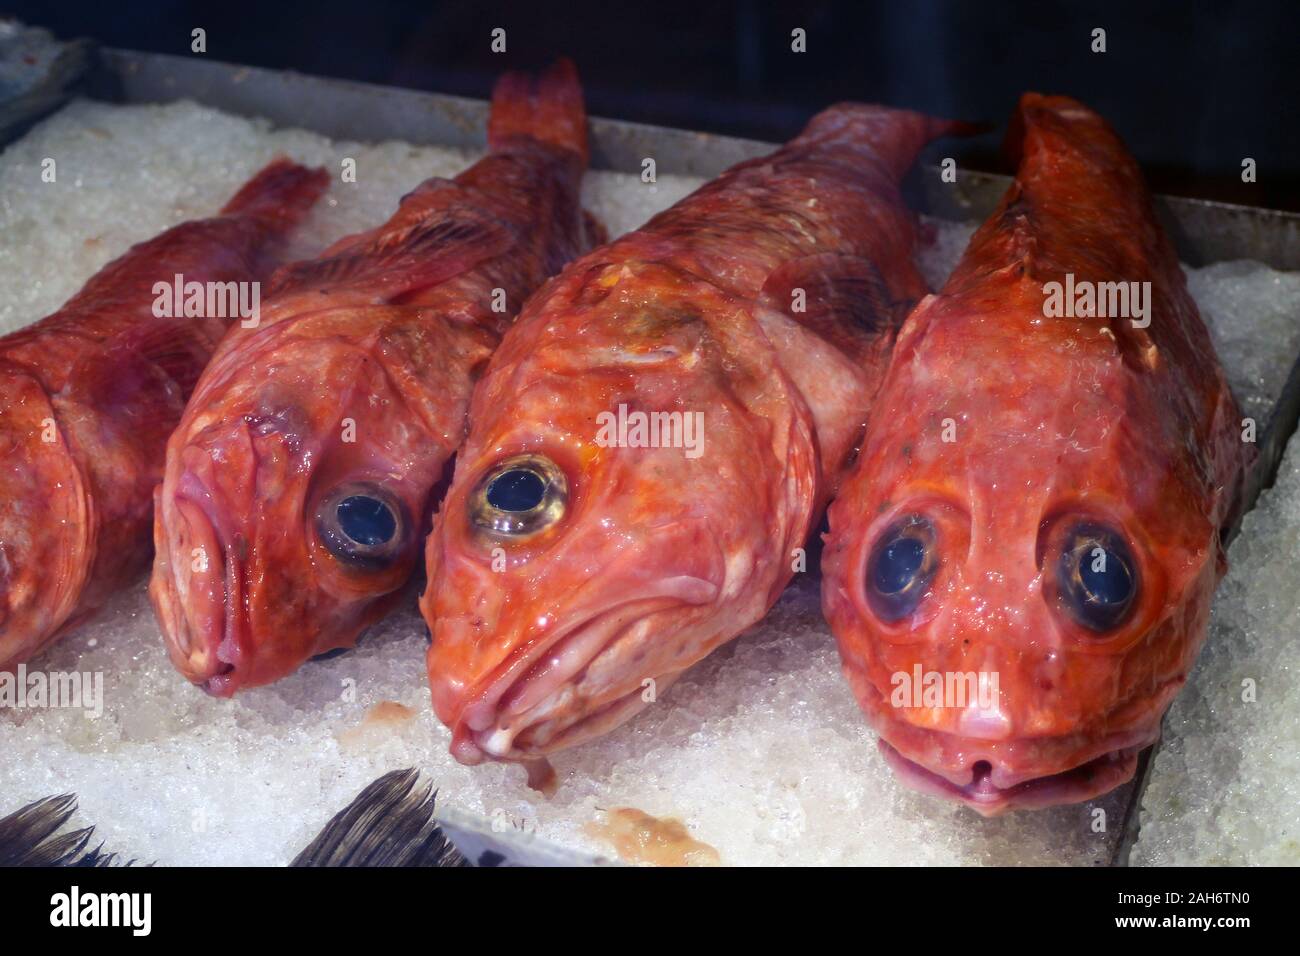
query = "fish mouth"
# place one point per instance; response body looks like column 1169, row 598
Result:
column 1092, row 778
column 192, row 602
column 535, row 703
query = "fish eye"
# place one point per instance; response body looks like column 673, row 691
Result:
column 362, row 525
column 1096, row 577
column 519, row 496
column 901, row 568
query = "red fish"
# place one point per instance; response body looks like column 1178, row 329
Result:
column 299, row 483
column 89, row 395
column 658, row 433
column 1031, row 534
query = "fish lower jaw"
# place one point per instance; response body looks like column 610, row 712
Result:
column 1091, row 779
column 552, row 701
column 190, row 599
column 199, row 655
column 547, row 735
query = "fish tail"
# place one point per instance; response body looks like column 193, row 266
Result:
column 548, row 108
column 280, row 195
column 1062, row 125
column 896, row 136
column 1059, row 147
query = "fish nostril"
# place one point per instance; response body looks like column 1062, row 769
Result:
column 981, row 771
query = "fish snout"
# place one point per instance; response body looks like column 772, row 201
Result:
column 518, row 682
column 193, row 574
column 538, row 640
column 241, row 600
column 1015, row 774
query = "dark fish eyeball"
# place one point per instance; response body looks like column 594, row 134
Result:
column 520, row 489
column 900, row 568
column 361, row 524
column 519, row 496
column 1096, row 577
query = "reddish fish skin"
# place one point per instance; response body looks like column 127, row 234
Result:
column 88, row 396
column 358, row 376
column 1058, row 420
column 659, row 558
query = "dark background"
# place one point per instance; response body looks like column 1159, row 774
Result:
column 1192, row 86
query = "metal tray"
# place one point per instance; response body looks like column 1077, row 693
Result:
column 1203, row 231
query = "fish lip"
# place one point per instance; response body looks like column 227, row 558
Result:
column 480, row 717
column 1094, row 777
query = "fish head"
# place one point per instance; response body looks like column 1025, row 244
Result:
column 297, row 491
column 46, row 548
column 589, row 551
column 1019, row 570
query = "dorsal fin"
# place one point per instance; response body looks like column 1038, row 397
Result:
column 417, row 255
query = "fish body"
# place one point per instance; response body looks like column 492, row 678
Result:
column 299, row 482
column 658, row 433
column 1032, row 529
column 88, row 396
